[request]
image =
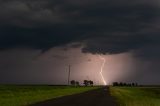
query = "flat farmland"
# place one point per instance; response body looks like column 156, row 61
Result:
column 136, row 96
column 12, row 95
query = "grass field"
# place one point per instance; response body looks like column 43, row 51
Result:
column 136, row 96
column 24, row 95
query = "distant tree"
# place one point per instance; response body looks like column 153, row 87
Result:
column 91, row 82
column 133, row 84
column 129, row 84
column 85, row 82
column 77, row 83
column 124, row 84
column 121, row 84
column 73, row 82
column 115, row 84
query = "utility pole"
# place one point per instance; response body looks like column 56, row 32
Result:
column 69, row 72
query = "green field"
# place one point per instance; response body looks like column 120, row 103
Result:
column 136, row 96
column 24, row 95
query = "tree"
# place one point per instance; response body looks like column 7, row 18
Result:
column 129, row 84
column 85, row 82
column 121, row 84
column 77, row 83
column 133, row 84
column 115, row 84
column 91, row 83
column 124, row 84
column 73, row 82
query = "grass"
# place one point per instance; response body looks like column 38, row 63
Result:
column 11, row 95
column 136, row 96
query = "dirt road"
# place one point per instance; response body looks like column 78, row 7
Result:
column 98, row 97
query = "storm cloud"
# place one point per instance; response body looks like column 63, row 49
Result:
column 114, row 27
column 102, row 26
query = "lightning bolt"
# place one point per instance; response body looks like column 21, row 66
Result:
column 101, row 71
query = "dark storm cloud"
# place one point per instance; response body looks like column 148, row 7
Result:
column 103, row 26
column 95, row 26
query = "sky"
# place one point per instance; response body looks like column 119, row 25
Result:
column 39, row 39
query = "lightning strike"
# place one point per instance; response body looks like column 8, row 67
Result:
column 101, row 71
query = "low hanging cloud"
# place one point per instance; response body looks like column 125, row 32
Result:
column 102, row 26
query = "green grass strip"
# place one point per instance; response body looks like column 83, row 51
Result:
column 24, row 95
column 136, row 96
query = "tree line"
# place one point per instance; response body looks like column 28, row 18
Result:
column 124, row 84
column 85, row 82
